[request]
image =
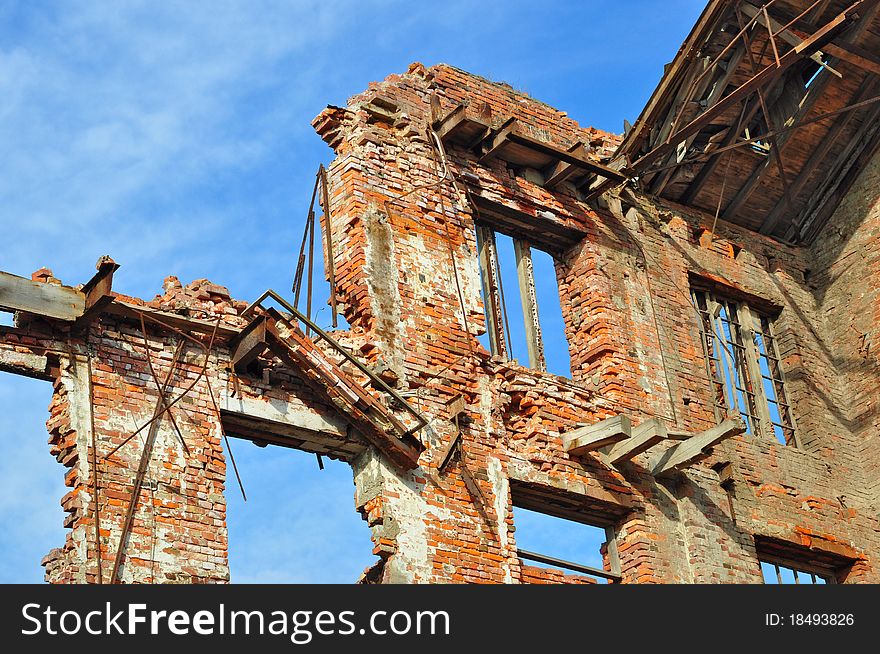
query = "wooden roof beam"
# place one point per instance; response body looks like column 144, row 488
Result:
column 861, row 147
column 817, row 157
column 759, row 80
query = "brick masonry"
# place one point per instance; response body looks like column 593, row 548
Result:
column 408, row 283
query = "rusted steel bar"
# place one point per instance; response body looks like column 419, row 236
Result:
column 176, row 399
column 225, row 438
column 328, row 230
column 159, row 387
column 577, row 567
column 142, row 468
column 311, row 263
column 763, row 137
column 375, row 379
column 301, row 260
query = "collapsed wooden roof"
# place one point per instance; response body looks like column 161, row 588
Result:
column 766, row 115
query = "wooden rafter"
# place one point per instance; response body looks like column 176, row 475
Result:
column 769, row 73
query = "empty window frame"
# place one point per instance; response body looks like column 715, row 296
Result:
column 560, row 543
column 744, row 365
column 777, row 573
column 508, row 265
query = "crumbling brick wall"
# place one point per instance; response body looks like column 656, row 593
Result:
column 634, row 340
column 402, row 216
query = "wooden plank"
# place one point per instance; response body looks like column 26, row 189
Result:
column 715, row 10
column 562, row 170
column 570, row 157
column 488, row 260
column 250, row 344
column 601, row 434
column 549, row 234
column 48, row 300
column 645, row 436
column 760, row 79
column 528, row 298
column 496, row 140
column 860, row 149
column 447, row 126
column 686, row 452
column 98, row 292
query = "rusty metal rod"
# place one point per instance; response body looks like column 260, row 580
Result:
column 336, row 346
column 142, row 468
column 328, row 229
column 178, row 398
column 225, row 438
column 158, row 385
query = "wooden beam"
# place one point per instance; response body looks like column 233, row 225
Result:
column 47, row 300
column 817, row 156
column 644, row 437
column 720, row 85
column 496, row 140
column 694, row 448
column 529, row 300
column 570, row 157
column 715, row 10
column 861, row 147
column 249, row 344
column 708, row 168
column 772, row 71
column 593, row 437
column 98, row 292
column 771, row 24
column 562, row 170
column 448, row 124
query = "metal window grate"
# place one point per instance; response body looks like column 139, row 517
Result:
column 743, row 363
column 775, row 573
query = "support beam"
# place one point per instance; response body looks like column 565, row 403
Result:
column 815, row 42
column 645, row 436
column 862, row 146
column 601, row 434
column 496, row 140
column 694, row 448
column 98, row 292
column 526, row 277
column 250, row 344
column 562, row 170
column 47, row 300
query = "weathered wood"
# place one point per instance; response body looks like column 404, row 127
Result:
column 98, row 292
column 644, row 437
column 528, row 298
column 708, row 20
column 496, row 140
column 601, row 434
column 250, row 344
column 692, row 449
column 761, row 78
column 570, row 157
column 562, row 170
column 40, row 298
column 449, row 123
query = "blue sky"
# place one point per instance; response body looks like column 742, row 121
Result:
column 175, row 137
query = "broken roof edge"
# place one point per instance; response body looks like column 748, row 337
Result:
column 704, row 26
column 329, row 121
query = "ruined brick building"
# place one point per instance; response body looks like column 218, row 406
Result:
column 718, row 269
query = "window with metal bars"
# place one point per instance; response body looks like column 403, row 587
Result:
column 775, row 573
column 744, row 366
column 516, row 330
